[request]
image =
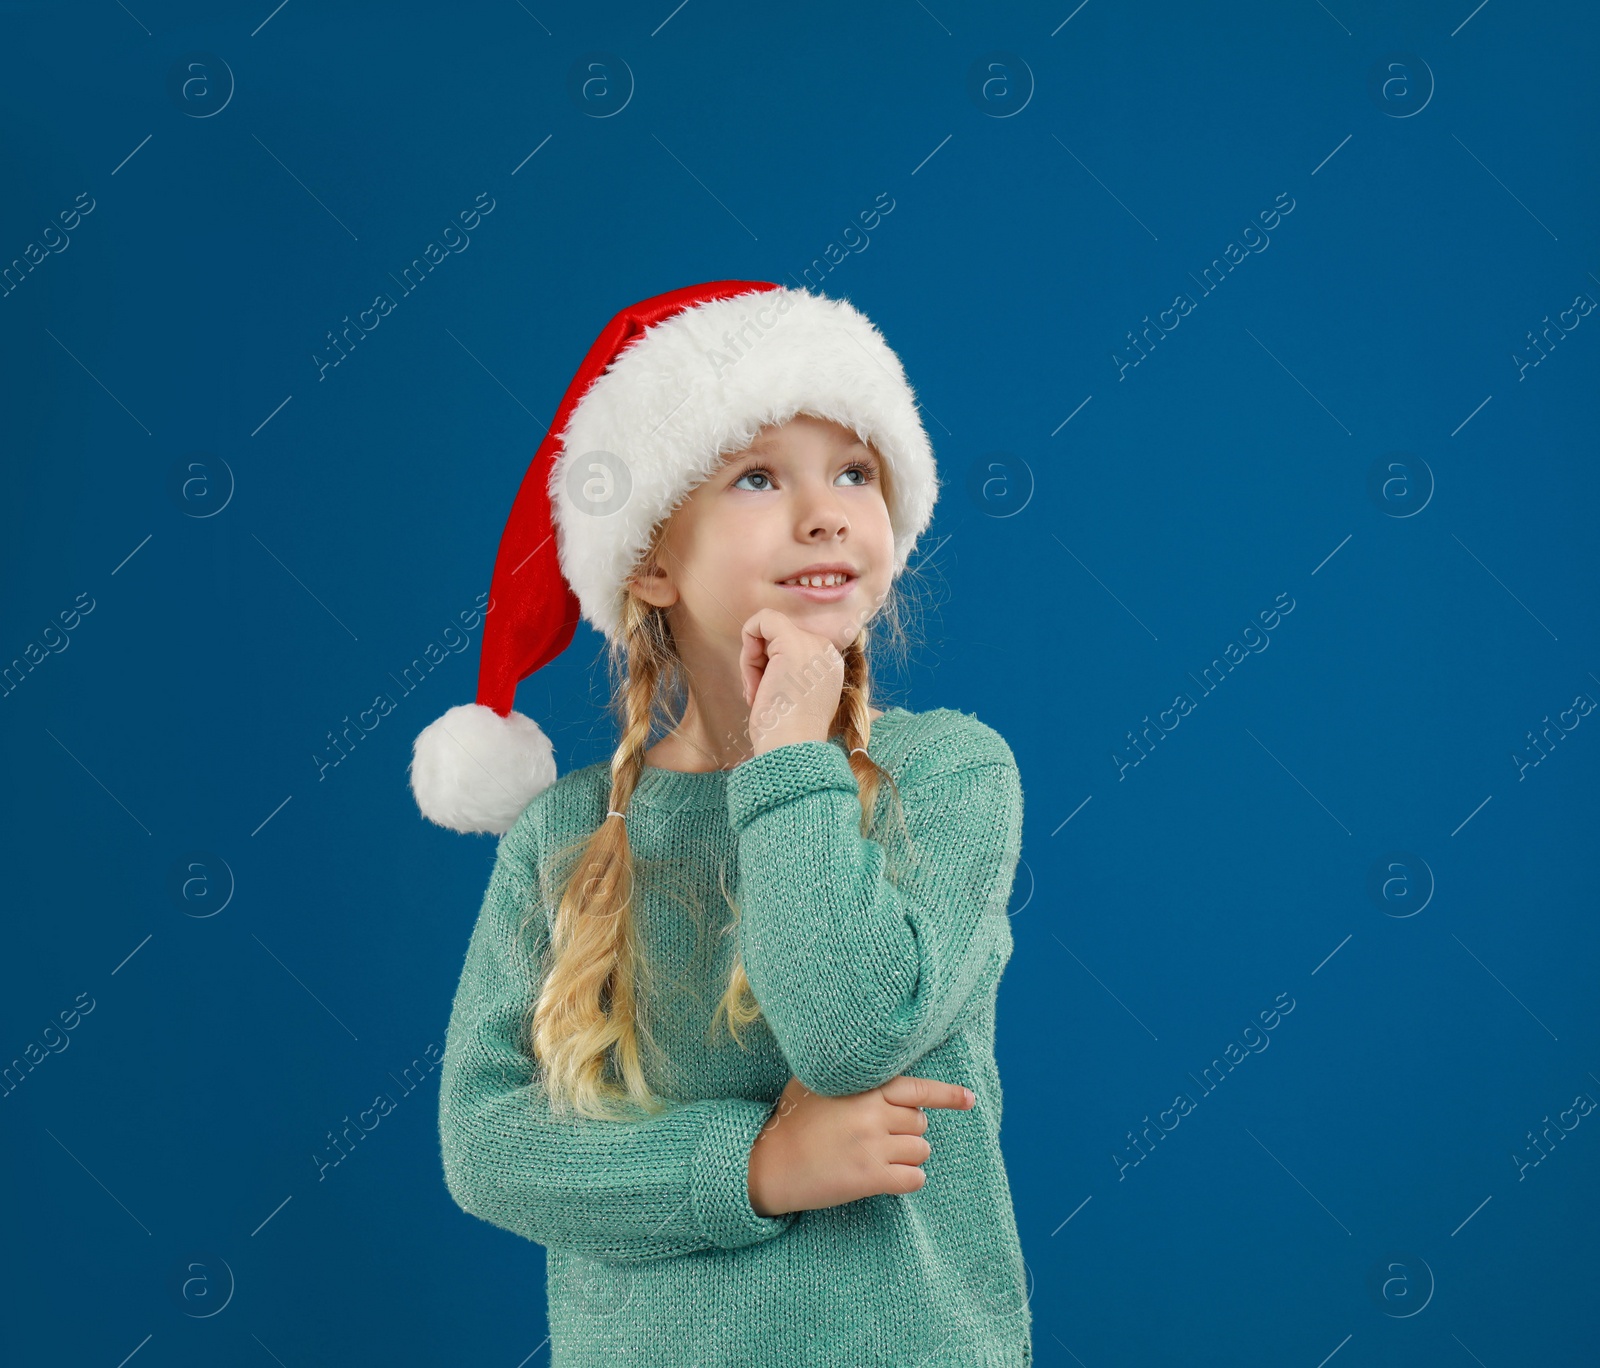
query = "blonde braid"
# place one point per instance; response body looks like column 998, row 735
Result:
column 587, row 1010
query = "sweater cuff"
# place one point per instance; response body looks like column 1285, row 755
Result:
column 784, row 773
column 719, row 1185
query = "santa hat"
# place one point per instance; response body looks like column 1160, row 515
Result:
column 672, row 386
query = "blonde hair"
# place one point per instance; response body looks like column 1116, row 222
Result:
column 586, row 1027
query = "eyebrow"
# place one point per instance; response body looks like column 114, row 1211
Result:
column 763, row 444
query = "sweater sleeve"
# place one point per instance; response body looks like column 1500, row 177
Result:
column 625, row 1191
column 859, row 976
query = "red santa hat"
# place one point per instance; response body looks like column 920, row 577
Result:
column 671, row 387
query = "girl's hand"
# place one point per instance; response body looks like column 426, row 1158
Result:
column 820, row 1151
column 792, row 681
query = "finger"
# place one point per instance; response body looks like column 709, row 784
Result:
column 911, row 1091
column 906, row 1121
column 769, row 627
column 752, row 663
column 751, row 643
column 906, row 1090
column 906, row 1149
column 903, row 1178
column 754, row 670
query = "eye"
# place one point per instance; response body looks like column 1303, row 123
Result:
column 755, row 472
column 867, row 470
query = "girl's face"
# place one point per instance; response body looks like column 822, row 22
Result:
column 805, row 493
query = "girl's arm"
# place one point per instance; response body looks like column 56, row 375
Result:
column 624, row 1191
column 856, row 977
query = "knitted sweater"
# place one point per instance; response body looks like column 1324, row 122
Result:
column 864, row 969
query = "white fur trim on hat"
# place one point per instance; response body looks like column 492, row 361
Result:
column 473, row 770
column 698, row 387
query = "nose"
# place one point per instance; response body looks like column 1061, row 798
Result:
column 824, row 517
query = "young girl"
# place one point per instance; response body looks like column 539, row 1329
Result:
column 751, row 1142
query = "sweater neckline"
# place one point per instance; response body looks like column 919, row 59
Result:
column 708, row 788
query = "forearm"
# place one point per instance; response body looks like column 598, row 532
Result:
column 671, row 1184
column 666, row 1184
column 858, row 974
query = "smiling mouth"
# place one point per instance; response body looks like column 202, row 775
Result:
column 830, row 588
column 831, row 580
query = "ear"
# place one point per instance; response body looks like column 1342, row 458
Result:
column 654, row 586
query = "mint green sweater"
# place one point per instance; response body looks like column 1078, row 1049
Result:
column 654, row 1253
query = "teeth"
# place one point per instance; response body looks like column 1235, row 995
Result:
column 818, row 581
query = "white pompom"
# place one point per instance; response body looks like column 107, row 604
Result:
column 473, row 770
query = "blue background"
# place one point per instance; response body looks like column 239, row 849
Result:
column 1341, row 423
